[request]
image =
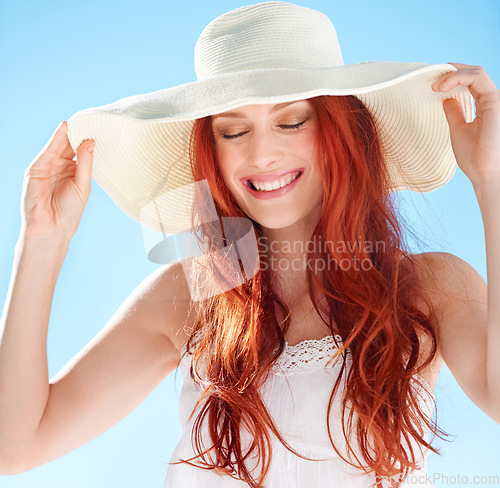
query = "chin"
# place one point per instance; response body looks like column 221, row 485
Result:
column 278, row 222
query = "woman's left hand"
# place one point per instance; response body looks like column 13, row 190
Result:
column 476, row 144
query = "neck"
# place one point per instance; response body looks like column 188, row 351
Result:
column 286, row 252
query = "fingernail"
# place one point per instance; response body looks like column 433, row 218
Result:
column 91, row 147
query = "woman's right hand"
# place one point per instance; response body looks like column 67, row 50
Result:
column 56, row 188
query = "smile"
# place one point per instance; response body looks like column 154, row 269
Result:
column 265, row 188
column 274, row 185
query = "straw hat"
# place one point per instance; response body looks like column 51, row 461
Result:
column 270, row 52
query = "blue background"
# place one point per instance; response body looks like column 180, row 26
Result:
column 58, row 57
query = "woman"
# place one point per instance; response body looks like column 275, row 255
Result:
column 391, row 325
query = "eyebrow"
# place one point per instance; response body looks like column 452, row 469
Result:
column 277, row 107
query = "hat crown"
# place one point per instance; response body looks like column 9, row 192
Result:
column 266, row 35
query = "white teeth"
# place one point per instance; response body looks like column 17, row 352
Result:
column 274, row 185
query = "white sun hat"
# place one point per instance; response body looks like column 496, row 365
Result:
column 270, row 52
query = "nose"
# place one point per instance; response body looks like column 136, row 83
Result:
column 265, row 149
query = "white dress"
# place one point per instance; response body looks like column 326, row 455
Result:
column 296, row 395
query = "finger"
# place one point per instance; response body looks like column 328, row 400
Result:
column 462, row 66
column 476, row 80
column 84, row 160
column 459, row 67
column 67, row 152
column 57, row 142
column 441, row 79
column 454, row 113
column 437, row 85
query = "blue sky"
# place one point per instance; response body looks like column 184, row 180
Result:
column 60, row 57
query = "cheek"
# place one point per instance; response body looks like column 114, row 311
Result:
column 226, row 167
column 221, row 159
column 305, row 149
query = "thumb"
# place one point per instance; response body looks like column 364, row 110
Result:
column 454, row 113
column 84, row 160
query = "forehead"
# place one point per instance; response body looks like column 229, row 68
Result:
column 269, row 108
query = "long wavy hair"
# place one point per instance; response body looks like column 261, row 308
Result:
column 237, row 336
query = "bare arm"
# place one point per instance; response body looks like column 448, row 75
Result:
column 114, row 373
column 460, row 301
column 471, row 316
column 41, row 420
column 24, row 385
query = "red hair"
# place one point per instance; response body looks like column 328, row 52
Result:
column 373, row 310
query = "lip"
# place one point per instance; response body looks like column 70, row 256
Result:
column 269, row 177
column 265, row 195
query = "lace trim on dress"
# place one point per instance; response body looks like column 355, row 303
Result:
column 307, row 355
column 311, row 354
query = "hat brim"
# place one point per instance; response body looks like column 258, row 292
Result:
column 142, row 141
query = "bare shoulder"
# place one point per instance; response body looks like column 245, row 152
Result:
column 460, row 300
column 449, row 280
column 455, row 299
column 170, row 300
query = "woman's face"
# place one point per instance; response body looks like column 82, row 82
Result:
column 267, row 157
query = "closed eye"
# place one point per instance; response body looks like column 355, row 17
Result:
column 285, row 127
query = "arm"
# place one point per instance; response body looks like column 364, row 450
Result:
column 458, row 295
column 489, row 201
column 24, row 385
column 471, row 316
column 114, row 373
